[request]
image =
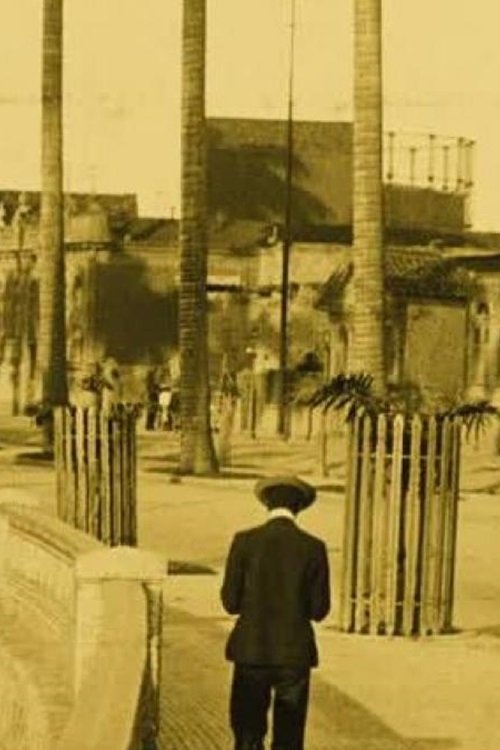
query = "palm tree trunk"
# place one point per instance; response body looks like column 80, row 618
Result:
column 197, row 450
column 367, row 350
column 52, row 337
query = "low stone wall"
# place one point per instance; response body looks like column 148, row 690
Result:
column 85, row 620
column 23, row 723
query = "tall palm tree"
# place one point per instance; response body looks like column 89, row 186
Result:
column 197, row 451
column 52, row 336
column 367, row 350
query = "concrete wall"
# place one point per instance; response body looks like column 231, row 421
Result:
column 23, row 723
column 86, row 621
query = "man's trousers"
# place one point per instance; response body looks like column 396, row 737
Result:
column 253, row 690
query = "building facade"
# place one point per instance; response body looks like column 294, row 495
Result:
column 123, row 270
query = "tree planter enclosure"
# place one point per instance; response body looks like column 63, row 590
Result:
column 400, row 525
column 95, row 458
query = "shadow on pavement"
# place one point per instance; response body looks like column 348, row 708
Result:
column 185, row 568
column 195, row 694
column 493, row 630
column 222, row 475
column 433, row 744
column 332, row 487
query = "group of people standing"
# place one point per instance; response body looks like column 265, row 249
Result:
column 163, row 401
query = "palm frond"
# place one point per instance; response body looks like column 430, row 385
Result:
column 475, row 416
column 352, row 392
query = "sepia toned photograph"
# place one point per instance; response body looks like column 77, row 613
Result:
column 249, row 375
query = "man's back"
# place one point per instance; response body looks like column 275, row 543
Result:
column 276, row 580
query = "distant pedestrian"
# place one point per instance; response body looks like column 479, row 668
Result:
column 175, row 408
column 165, row 401
column 153, row 394
column 226, row 413
column 111, row 391
column 276, row 580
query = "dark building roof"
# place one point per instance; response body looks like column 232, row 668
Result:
column 153, row 232
column 235, row 236
column 409, row 272
column 486, row 240
column 426, row 274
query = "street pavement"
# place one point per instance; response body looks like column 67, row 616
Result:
column 369, row 693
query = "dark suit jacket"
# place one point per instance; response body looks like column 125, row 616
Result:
column 277, row 581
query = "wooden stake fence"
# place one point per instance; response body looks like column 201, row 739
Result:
column 400, row 526
column 95, row 457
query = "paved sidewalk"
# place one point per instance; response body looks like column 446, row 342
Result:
column 369, row 693
column 196, row 690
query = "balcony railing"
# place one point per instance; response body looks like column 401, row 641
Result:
column 442, row 163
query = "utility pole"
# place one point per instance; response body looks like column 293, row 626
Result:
column 287, row 243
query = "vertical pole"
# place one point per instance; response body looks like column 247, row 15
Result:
column 446, row 523
column 413, row 158
column 468, row 180
column 351, row 515
column 59, row 456
column 69, row 506
column 367, row 350
column 469, row 165
column 106, row 479
column 446, row 167
column 394, row 518
column 19, row 313
column 380, row 531
column 364, row 531
column 451, row 551
column 52, row 336
column 432, row 159
column 429, row 551
column 133, row 479
column 81, row 495
column 460, row 164
column 390, row 156
column 411, row 600
column 287, row 241
column 93, row 463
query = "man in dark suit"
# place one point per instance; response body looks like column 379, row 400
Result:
column 276, row 580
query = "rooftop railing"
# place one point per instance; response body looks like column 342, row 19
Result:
column 426, row 160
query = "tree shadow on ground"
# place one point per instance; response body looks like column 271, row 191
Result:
column 331, row 487
column 164, row 458
column 433, row 744
column 34, row 457
column 493, row 630
column 347, row 718
column 186, row 567
column 224, row 474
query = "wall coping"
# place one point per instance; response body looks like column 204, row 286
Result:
column 120, row 563
column 48, row 531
